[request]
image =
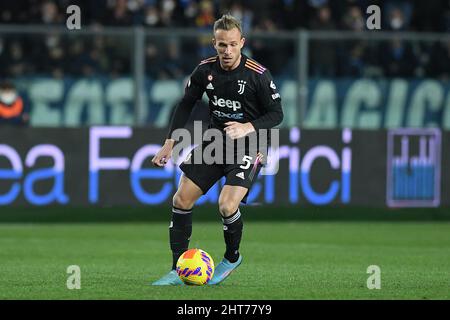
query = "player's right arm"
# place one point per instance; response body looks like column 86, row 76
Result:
column 193, row 92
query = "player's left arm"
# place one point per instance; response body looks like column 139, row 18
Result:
column 269, row 100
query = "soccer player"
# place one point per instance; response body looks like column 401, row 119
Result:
column 242, row 100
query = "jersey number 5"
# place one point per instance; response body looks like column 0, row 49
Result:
column 247, row 161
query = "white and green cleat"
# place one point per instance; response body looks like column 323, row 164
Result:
column 223, row 270
column 170, row 279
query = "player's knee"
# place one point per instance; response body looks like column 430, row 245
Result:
column 227, row 208
column 182, row 201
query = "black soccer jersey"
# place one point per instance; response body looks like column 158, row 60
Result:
column 245, row 94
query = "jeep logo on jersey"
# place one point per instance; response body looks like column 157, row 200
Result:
column 235, row 105
column 241, row 84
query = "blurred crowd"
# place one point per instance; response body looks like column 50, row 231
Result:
column 171, row 57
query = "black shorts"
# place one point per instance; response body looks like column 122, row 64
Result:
column 243, row 172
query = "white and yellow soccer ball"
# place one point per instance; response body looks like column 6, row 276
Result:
column 195, row 267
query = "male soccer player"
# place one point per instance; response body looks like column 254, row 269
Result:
column 242, row 100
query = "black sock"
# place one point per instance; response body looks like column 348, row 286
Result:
column 180, row 231
column 232, row 233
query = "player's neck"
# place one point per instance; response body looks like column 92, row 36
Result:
column 234, row 66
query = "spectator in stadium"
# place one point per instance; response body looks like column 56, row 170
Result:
column 398, row 59
column 275, row 53
column 205, row 21
column 152, row 18
column 56, row 62
column 82, row 61
column 190, row 11
column 243, row 14
column 16, row 62
column 169, row 13
column 350, row 52
column 119, row 15
column 439, row 62
column 172, row 66
column 153, row 59
column 398, row 15
column 12, row 109
column 323, row 53
column 353, row 19
column 205, row 18
column 355, row 64
column 266, row 15
column 50, row 13
column 290, row 14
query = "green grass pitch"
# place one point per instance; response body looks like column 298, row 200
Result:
column 282, row 260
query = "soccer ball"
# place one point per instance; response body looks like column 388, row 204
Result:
column 195, row 267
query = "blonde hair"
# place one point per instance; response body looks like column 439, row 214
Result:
column 227, row 22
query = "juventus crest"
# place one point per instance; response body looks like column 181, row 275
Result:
column 241, row 84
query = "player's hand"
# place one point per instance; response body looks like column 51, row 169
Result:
column 164, row 154
column 236, row 130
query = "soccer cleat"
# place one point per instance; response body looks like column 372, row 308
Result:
column 223, row 270
column 170, row 279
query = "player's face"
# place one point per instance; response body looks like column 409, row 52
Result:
column 228, row 44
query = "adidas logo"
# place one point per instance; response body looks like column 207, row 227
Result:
column 210, row 86
column 240, row 175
